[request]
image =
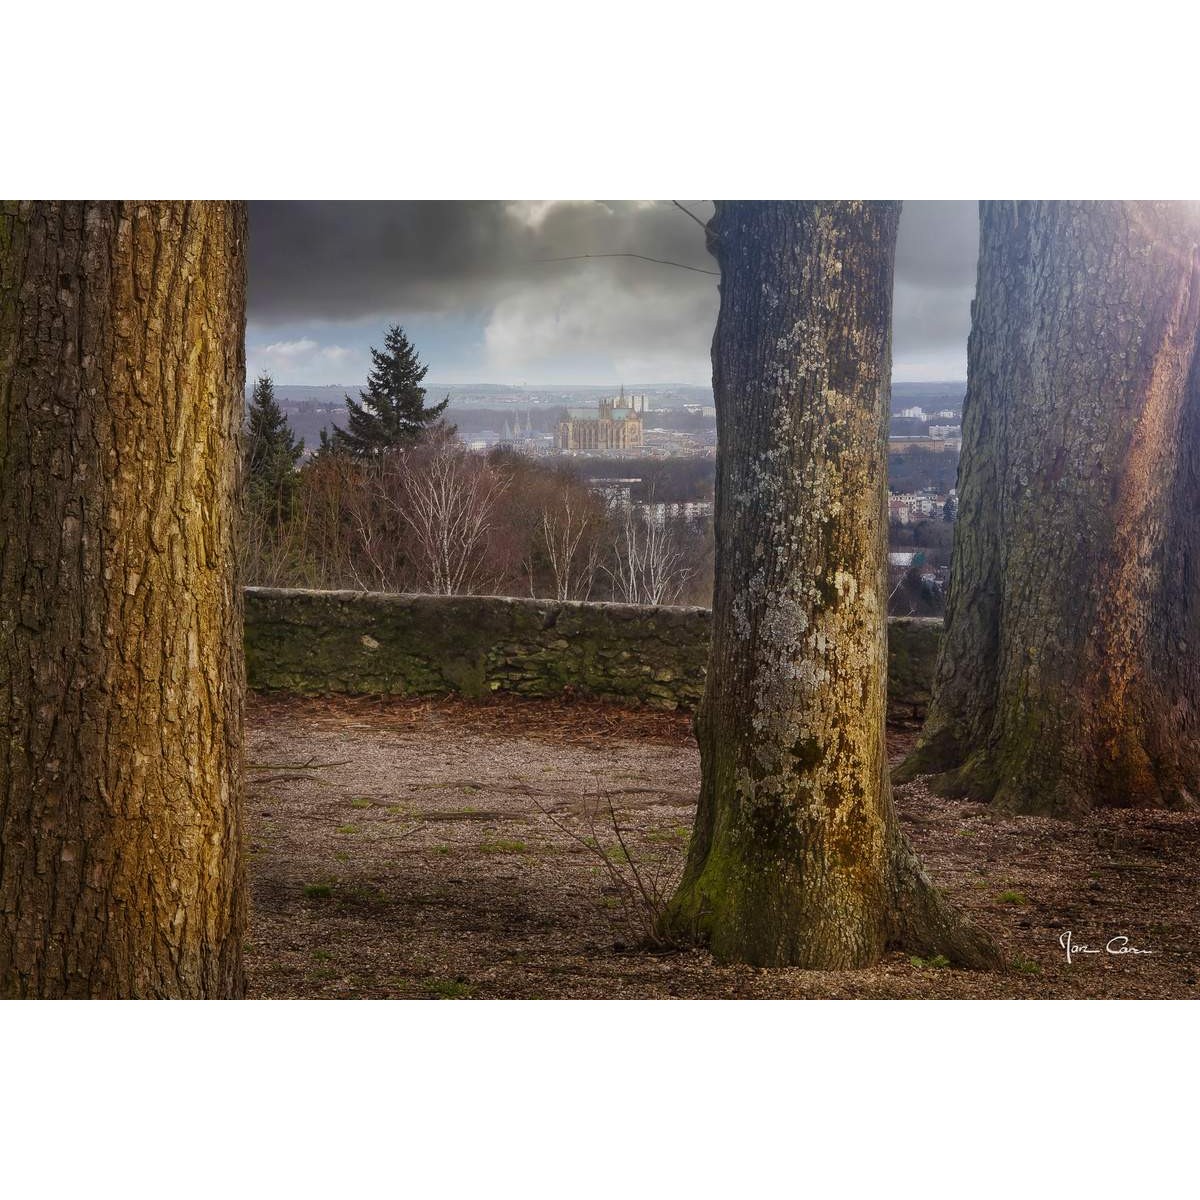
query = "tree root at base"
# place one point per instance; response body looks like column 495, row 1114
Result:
column 921, row 920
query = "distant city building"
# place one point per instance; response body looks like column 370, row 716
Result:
column 945, row 431
column 616, row 425
column 897, row 445
column 522, row 438
column 513, row 433
column 659, row 513
column 916, row 411
column 906, row 507
column 669, row 443
column 617, row 493
column 946, row 414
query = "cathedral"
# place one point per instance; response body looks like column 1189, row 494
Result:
column 615, row 425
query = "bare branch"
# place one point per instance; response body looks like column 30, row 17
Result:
column 695, row 218
column 666, row 262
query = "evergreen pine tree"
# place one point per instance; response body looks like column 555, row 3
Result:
column 392, row 411
column 272, row 450
column 325, row 446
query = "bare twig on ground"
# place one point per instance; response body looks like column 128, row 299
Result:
column 643, row 895
column 292, row 777
column 310, row 765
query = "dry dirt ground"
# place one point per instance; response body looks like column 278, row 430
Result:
column 449, row 849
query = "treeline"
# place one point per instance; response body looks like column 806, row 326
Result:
column 912, row 470
column 934, row 537
column 434, row 517
column 678, row 480
column 660, row 480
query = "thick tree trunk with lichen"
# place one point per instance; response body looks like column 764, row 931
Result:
column 1069, row 674
column 796, row 856
column 121, row 388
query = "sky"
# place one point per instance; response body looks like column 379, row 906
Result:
column 483, row 291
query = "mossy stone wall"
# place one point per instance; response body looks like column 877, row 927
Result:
column 374, row 643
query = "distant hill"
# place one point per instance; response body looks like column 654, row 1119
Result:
column 468, row 395
column 942, row 394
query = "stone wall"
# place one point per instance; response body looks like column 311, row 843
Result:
column 374, row 643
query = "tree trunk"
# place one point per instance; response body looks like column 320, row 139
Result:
column 1068, row 675
column 796, row 856
column 121, row 386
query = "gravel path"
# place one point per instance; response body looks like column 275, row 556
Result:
column 446, row 849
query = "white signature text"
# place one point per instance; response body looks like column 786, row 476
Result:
column 1115, row 945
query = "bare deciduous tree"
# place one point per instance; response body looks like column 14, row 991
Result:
column 648, row 564
column 447, row 498
column 567, row 535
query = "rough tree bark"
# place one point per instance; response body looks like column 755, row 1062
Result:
column 1069, row 675
column 796, row 857
column 121, row 392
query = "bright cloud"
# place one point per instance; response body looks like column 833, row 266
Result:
column 296, row 349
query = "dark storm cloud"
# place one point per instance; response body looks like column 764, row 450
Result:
column 344, row 261
column 337, row 260
column 935, row 281
column 938, row 243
